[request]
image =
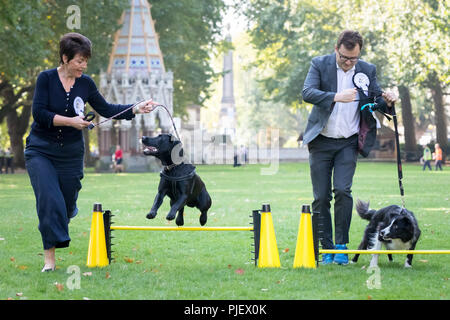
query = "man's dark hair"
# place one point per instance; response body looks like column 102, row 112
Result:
column 73, row 43
column 350, row 39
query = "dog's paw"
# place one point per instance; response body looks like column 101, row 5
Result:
column 151, row 215
column 170, row 217
column 180, row 220
column 203, row 219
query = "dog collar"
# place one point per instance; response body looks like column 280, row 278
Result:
column 173, row 165
column 170, row 178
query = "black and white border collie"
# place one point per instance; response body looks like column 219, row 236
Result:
column 394, row 227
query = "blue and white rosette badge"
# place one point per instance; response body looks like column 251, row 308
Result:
column 361, row 81
column 78, row 106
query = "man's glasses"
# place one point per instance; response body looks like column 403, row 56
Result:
column 345, row 58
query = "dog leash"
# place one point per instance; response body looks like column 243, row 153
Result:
column 93, row 125
column 373, row 106
column 171, row 118
column 399, row 159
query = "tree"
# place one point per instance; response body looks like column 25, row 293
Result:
column 30, row 32
column 419, row 41
column 406, row 40
column 189, row 30
column 22, row 49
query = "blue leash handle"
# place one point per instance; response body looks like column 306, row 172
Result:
column 370, row 105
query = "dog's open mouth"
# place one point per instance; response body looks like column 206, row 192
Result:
column 148, row 150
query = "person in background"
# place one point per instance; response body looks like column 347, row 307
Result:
column 118, row 158
column 427, row 156
column 118, row 155
column 2, row 160
column 437, row 157
column 9, row 157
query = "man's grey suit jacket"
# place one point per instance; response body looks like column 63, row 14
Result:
column 320, row 88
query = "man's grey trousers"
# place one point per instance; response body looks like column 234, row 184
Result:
column 332, row 160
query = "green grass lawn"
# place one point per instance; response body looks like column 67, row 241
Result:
column 217, row 265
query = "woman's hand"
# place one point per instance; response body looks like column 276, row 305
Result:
column 145, row 106
column 79, row 123
column 76, row 122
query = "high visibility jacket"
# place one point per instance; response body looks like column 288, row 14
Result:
column 438, row 154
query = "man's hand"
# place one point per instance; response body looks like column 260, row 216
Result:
column 390, row 98
column 348, row 95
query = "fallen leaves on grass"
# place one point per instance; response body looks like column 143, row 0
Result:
column 107, row 275
column 239, row 271
column 286, row 250
column 59, row 286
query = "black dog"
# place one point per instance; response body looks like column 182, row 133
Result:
column 394, row 227
column 178, row 180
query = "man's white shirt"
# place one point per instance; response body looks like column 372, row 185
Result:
column 344, row 119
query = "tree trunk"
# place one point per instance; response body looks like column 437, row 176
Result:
column 440, row 115
column 408, row 124
column 17, row 127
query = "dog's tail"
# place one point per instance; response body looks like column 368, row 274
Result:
column 363, row 210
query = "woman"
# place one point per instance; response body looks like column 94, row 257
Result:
column 55, row 147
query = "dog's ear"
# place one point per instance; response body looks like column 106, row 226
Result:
column 177, row 153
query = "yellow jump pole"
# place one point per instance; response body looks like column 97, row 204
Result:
column 168, row 228
column 386, row 251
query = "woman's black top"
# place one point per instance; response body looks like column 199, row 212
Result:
column 50, row 98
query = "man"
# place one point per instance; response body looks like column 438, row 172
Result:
column 427, row 156
column 336, row 131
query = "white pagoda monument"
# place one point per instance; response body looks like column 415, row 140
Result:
column 135, row 72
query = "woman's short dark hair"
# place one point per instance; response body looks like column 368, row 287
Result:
column 350, row 39
column 73, row 43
